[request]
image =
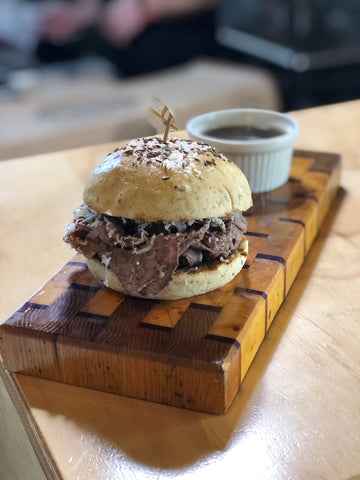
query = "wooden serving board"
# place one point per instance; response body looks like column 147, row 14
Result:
column 191, row 353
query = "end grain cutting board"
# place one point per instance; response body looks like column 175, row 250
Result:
column 191, row 353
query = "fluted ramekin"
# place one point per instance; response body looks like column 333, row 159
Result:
column 264, row 161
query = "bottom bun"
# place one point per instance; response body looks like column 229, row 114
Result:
column 185, row 282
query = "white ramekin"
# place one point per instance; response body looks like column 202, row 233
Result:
column 265, row 162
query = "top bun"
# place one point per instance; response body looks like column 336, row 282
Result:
column 176, row 180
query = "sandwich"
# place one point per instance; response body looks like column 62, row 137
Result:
column 163, row 219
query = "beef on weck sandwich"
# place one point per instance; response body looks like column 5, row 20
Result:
column 163, row 219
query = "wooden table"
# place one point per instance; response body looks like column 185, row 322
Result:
column 297, row 415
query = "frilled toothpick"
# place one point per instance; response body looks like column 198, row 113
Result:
column 167, row 117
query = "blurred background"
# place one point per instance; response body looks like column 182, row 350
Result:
column 81, row 72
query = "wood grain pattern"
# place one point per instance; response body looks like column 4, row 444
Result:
column 191, row 353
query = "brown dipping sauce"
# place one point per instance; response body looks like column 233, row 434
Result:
column 243, row 132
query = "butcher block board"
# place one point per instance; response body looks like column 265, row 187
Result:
column 192, row 353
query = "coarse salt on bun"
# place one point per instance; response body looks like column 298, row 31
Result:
column 172, row 181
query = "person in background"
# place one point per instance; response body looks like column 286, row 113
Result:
column 120, row 21
column 136, row 35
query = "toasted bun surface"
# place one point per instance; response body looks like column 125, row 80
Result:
column 176, row 180
column 185, row 282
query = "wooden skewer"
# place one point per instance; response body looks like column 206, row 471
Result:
column 167, row 118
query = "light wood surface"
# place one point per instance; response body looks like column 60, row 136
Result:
column 297, row 414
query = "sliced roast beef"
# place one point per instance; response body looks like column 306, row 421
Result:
column 145, row 255
column 149, row 272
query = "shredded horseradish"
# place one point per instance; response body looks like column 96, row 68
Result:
column 147, row 247
column 105, row 260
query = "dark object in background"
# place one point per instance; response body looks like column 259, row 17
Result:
column 312, row 46
column 297, row 35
